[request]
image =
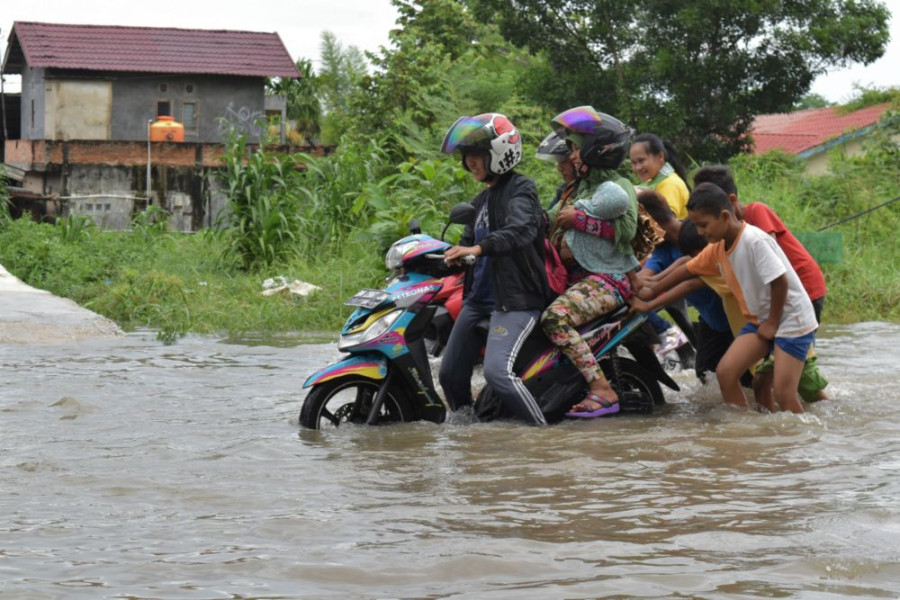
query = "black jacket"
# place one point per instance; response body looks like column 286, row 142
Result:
column 514, row 244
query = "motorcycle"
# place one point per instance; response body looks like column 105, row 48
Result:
column 557, row 385
column 386, row 376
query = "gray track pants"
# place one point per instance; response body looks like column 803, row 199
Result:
column 507, row 333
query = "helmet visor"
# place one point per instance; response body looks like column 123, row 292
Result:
column 467, row 134
column 581, row 119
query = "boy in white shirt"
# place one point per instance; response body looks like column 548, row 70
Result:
column 779, row 313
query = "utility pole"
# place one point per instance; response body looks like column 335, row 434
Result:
column 149, row 123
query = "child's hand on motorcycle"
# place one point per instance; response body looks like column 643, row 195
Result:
column 457, row 254
column 645, row 293
column 638, row 305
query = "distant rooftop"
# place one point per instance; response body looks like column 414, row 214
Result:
column 146, row 50
column 802, row 131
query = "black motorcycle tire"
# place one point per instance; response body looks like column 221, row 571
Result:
column 316, row 411
column 632, row 378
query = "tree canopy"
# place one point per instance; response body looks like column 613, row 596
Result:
column 694, row 71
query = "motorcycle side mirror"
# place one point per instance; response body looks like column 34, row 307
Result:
column 414, row 226
column 461, row 214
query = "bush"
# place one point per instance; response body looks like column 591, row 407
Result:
column 262, row 224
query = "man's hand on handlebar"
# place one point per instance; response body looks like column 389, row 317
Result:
column 460, row 254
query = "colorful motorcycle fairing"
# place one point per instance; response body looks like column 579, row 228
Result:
column 403, row 291
column 608, row 334
column 409, row 248
column 425, row 244
column 369, row 365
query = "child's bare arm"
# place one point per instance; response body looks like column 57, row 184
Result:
column 668, row 297
column 769, row 327
column 670, row 268
column 673, row 278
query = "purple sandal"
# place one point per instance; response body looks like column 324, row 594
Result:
column 607, row 407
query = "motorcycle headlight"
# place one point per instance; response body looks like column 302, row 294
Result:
column 375, row 328
column 394, row 257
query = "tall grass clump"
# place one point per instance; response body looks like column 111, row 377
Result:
column 4, row 203
column 358, row 195
column 262, row 223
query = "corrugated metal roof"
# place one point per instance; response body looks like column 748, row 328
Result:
column 148, row 50
column 806, row 129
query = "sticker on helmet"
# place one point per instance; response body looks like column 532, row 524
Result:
column 502, row 125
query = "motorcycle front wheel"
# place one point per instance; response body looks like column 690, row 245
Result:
column 348, row 400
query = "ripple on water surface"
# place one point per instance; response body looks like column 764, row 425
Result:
column 133, row 469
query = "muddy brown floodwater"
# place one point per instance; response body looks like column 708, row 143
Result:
column 130, row 469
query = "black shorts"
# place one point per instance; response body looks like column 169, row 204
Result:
column 711, row 347
column 818, row 305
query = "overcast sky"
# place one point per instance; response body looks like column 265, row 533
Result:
column 361, row 23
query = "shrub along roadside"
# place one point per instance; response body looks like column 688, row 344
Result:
column 174, row 283
column 354, row 203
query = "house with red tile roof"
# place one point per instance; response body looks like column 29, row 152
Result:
column 90, row 94
column 809, row 134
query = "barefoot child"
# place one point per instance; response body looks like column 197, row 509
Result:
column 779, row 313
column 812, row 383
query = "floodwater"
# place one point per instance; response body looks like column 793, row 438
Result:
column 130, row 469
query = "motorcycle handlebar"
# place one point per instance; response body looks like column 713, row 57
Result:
column 466, row 260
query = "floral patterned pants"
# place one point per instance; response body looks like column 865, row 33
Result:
column 582, row 302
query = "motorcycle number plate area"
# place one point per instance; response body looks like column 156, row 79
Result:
column 368, row 298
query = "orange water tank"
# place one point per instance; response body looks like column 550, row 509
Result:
column 166, row 129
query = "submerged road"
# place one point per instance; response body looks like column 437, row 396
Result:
column 29, row 315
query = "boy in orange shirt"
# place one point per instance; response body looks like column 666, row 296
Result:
column 780, row 316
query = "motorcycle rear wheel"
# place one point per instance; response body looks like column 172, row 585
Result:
column 633, row 378
column 348, row 400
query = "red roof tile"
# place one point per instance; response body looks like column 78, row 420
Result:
column 149, row 50
column 806, row 129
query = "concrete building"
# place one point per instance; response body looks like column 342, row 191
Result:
column 810, row 134
column 89, row 94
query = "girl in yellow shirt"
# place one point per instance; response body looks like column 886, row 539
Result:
column 655, row 163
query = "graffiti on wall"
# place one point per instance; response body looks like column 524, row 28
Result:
column 242, row 121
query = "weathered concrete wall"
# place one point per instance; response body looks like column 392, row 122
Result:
column 59, row 97
column 77, row 110
column 111, row 195
column 36, row 155
column 32, row 118
column 238, row 100
column 94, row 177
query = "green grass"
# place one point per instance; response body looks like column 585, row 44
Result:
column 175, row 283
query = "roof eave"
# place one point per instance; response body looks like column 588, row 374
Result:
column 828, row 145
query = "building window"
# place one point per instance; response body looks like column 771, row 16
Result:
column 163, row 108
column 189, row 115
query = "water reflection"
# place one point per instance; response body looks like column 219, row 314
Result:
column 132, row 469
